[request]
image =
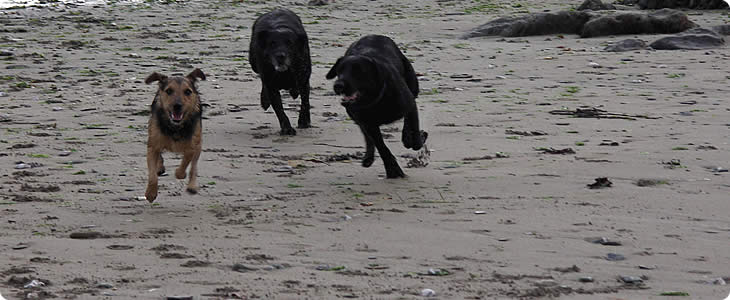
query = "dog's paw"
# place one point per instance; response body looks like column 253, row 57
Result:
column 304, row 123
column 288, row 131
column 151, row 194
column 192, row 190
column 180, row 173
column 368, row 161
column 395, row 172
column 418, row 144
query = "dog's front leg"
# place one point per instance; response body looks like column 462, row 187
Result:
column 193, row 180
column 369, row 158
column 392, row 169
column 153, row 156
column 275, row 98
column 304, row 119
column 412, row 137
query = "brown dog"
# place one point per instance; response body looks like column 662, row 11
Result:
column 175, row 125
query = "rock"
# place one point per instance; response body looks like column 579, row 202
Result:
column 694, row 39
column 179, row 297
column 104, row 285
column 631, row 279
column 34, row 283
column 626, row 45
column 319, row 2
column 428, row 293
column 604, row 241
column 661, row 21
column 533, row 24
column 694, row 4
column 722, row 29
column 595, row 5
column 88, row 235
column 241, row 268
column 717, row 281
column 586, row 279
column 601, row 182
column 6, row 53
column 615, row 257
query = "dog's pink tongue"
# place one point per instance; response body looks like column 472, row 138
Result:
column 177, row 116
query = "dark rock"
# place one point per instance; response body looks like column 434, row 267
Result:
column 661, row 21
column 241, row 268
column 88, row 235
column 722, row 29
column 694, row 4
column 601, row 182
column 319, row 2
column 615, row 257
column 595, row 5
column 533, row 24
column 626, row 45
column 695, row 39
column 631, row 279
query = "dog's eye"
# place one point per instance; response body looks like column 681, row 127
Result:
column 188, row 92
column 169, row 91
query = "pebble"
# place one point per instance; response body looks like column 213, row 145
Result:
column 3, row 94
column 631, row 279
column 719, row 170
column 717, row 281
column 586, row 279
column 428, row 293
column 282, row 169
column 615, row 257
column 594, row 65
column 346, row 218
column 643, row 267
column 22, row 166
column 64, row 153
column 134, row 55
column 179, row 298
column 480, row 212
column 104, row 285
column 6, row 53
column 57, row 108
column 546, row 283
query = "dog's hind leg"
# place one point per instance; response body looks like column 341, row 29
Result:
column 304, row 119
column 369, row 158
column 153, row 156
column 392, row 169
column 275, row 98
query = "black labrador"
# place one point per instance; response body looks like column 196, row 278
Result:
column 279, row 52
column 379, row 86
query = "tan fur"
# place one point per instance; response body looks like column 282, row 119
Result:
column 158, row 142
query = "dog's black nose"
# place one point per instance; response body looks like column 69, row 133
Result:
column 177, row 106
column 339, row 87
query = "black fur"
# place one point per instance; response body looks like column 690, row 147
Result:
column 385, row 88
column 181, row 132
column 278, row 40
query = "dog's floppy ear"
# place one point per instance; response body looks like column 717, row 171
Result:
column 195, row 74
column 155, row 77
column 333, row 72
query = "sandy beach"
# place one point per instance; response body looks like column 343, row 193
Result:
column 501, row 211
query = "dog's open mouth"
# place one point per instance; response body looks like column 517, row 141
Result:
column 350, row 99
column 176, row 116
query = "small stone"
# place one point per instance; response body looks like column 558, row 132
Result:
column 586, row 279
column 104, row 285
column 179, row 297
column 615, row 257
column 718, row 281
column 282, row 169
column 33, row 283
column 428, row 293
column 631, row 279
column 3, row 94
column 6, row 53
column 546, row 283
column 594, row 65
column 643, row 267
column 22, row 166
column 719, row 170
column 64, row 153
column 134, row 55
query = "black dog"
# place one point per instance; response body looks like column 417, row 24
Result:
column 279, row 52
column 379, row 86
